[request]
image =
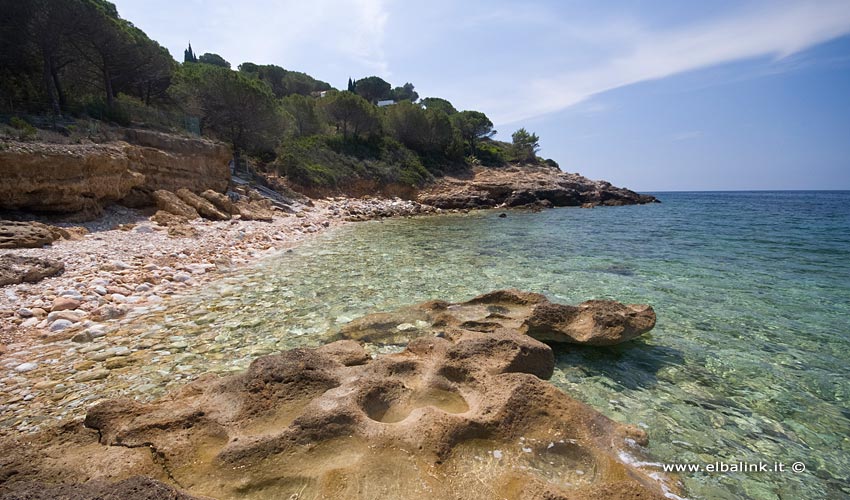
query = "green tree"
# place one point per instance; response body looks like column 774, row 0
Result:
column 350, row 85
column 443, row 137
column 473, row 125
column 436, row 103
column 214, row 59
column 303, row 112
column 404, row 93
column 350, row 114
column 283, row 82
column 373, row 89
column 234, row 108
column 525, row 145
column 408, row 123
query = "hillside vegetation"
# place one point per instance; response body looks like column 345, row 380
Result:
column 66, row 66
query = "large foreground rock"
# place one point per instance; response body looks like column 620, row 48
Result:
column 595, row 322
column 80, row 179
column 464, row 415
column 525, row 185
column 18, row 269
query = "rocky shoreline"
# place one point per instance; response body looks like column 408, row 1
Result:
column 465, row 402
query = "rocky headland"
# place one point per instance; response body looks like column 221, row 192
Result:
column 526, row 185
column 464, row 407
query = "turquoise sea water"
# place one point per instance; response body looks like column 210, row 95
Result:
column 749, row 360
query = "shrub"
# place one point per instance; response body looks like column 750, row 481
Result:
column 25, row 129
column 490, row 154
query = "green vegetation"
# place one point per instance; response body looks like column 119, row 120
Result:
column 62, row 61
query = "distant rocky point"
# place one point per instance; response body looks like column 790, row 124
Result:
column 526, row 185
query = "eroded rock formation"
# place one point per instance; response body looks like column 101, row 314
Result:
column 525, row 185
column 82, row 178
column 595, row 322
column 467, row 414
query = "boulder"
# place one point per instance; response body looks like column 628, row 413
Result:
column 221, row 201
column 17, row 269
column 260, row 210
column 594, row 323
column 206, row 209
column 16, row 234
column 333, row 422
column 173, row 204
column 163, row 218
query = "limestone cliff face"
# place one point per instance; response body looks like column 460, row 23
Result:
column 173, row 162
column 82, row 178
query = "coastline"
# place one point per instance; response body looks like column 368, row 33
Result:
column 125, row 267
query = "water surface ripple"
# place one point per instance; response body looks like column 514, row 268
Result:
column 749, row 360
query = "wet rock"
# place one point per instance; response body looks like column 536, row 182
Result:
column 333, row 422
column 206, row 209
column 173, row 204
column 91, row 375
column 26, row 367
column 18, row 269
column 134, row 488
column 595, row 322
column 107, row 312
column 60, row 324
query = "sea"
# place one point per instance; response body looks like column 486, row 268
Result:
column 749, row 361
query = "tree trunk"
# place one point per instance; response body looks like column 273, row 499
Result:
column 107, row 84
column 48, row 86
column 58, row 85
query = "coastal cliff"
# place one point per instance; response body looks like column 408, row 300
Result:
column 80, row 179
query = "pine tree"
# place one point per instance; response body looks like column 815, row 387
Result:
column 351, row 84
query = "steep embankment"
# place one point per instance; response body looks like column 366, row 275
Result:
column 82, row 178
column 525, row 185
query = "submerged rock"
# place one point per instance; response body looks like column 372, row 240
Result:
column 332, row 422
column 595, row 322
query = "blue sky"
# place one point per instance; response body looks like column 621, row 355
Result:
column 652, row 95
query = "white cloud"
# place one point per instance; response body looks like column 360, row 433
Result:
column 778, row 30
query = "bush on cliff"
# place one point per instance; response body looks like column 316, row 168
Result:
column 333, row 162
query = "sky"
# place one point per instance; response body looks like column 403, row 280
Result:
column 658, row 95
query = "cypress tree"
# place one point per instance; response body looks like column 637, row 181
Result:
column 188, row 55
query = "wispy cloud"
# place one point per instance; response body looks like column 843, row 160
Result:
column 779, row 29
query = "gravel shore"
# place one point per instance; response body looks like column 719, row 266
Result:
column 127, row 261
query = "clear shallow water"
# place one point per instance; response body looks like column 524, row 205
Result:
column 749, row 360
